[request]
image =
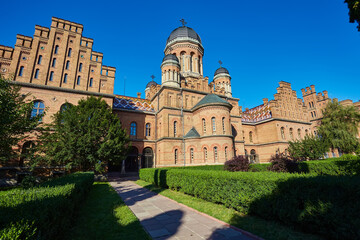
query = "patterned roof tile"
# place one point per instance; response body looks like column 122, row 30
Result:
column 132, row 103
column 257, row 114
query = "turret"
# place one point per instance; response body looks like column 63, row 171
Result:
column 222, row 79
column 170, row 71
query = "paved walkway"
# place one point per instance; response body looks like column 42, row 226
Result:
column 164, row 218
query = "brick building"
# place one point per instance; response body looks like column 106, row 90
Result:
column 188, row 119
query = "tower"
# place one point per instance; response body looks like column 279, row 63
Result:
column 222, row 79
column 170, row 71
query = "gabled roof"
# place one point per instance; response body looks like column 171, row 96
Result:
column 192, row 133
column 211, row 99
column 257, row 114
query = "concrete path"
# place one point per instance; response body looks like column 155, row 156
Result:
column 164, row 218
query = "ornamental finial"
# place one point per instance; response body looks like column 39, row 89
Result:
column 183, row 22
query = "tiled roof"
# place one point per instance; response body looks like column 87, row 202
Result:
column 132, row 103
column 257, row 114
column 211, row 98
column 192, row 133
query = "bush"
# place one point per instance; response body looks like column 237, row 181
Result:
column 281, row 163
column 259, row 167
column 326, row 205
column 50, row 206
column 28, row 182
column 237, row 163
column 22, row 230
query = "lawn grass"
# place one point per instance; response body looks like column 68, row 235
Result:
column 104, row 215
column 269, row 230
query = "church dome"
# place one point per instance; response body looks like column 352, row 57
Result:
column 183, row 32
column 170, row 57
column 221, row 70
column 152, row 82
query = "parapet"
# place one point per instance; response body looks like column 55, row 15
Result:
column 66, row 25
column 108, row 71
column 87, row 42
column 96, row 56
column 309, row 90
column 23, row 41
column 41, row 31
column 285, row 84
column 6, row 52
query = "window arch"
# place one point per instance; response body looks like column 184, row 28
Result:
column 69, row 52
column 65, row 78
column 291, row 133
column 78, row 80
column 205, row 154
column 204, row 125
column 147, row 130
column 299, row 133
column 67, row 65
column 312, row 115
column 223, row 124
column 65, row 106
column 191, row 155
column 53, row 62
column 282, row 130
column 51, row 76
column 91, row 82
column 36, row 73
column 253, row 152
column 213, row 122
column 175, row 128
column 215, row 154
column 80, row 67
column 182, row 58
column 21, row 71
column 251, row 136
column 39, row 59
column 176, row 156
column 306, row 132
column 56, row 49
column 226, row 153
column 38, row 109
column 133, row 126
column 191, row 61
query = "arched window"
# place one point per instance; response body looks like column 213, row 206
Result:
column 65, row 78
column 312, row 115
column 133, row 129
column 191, row 61
column 21, row 71
column 199, row 64
column 176, row 156
column 291, row 133
column 67, row 65
column 250, row 137
column 65, row 106
column 56, row 49
column 191, row 155
column 252, row 152
column 39, row 59
column 91, row 82
column 147, row 130
column 51, row 76
column 204, row 125
column 78, row 80
column 306, row 132
column 69, row 52
column 53, row 62
column 215, row 154
column 205, row 154
column 312, row 104
column 80, row 67
column 282, row 130
column 299, row 133
column 309, row 104
column 223, row 124
column 213, row 122
column 38, row 109
column 36, row 73
column 226, row 152
column 175, row 128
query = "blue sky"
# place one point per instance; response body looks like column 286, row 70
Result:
column 260, row 42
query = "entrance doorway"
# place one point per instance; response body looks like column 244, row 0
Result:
column 131, row 161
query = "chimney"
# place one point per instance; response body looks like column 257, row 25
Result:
column 265, row 101
column 303, row 91
column 312, row 88
column 325, row 94
column 139, row 95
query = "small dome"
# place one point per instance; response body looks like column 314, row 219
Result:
column 152, row 82
column 170, row 57
column 183, row 32
column 221, row 70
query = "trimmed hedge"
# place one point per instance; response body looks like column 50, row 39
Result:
column 48, row 208
column 326, row 205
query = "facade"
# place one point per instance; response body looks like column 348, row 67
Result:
column 188, row 119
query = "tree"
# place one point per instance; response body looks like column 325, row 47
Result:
column 310, row 148
column 339, row 127
column 354, row 11
column 85, row 136
column 16, row 122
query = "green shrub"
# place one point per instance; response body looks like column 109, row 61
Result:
column 22, row 230
column 259, row 167
column 306, row 201
column 50, row 206
column 28, row 182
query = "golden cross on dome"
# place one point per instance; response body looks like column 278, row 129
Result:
column 220, row 62
column 183, row 22
column 152, row 77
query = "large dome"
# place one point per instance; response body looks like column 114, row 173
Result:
column 152, row 82
column 183, row 32
column 221, row 70
column 170, row 57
